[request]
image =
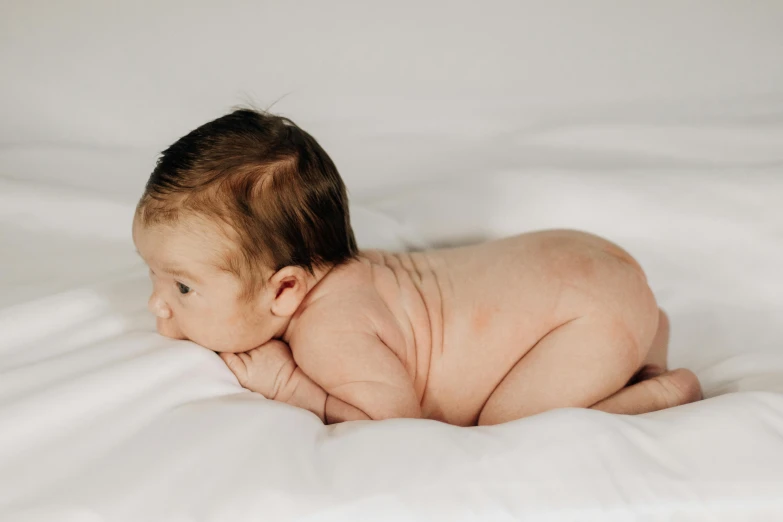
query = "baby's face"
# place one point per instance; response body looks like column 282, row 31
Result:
column 194, row 299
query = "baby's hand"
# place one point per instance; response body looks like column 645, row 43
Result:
column 265, row 370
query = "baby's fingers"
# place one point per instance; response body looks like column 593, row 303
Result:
column 260, row 370
column 237, row 366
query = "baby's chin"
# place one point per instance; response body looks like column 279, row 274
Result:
column 230, row 349
column 209, row 346
column 221, row 346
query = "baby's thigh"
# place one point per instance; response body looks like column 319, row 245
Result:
column 575, row 365
column 658, row 351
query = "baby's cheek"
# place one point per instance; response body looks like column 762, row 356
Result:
column 168, row 328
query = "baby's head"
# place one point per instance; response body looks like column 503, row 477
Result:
column 238, row 221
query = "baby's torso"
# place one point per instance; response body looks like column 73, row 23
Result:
column 459, row 319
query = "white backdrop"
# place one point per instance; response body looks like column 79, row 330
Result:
column 88, row 82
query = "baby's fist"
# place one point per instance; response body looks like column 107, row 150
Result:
column 264, row 370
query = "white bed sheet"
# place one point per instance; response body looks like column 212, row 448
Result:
column 101, row 419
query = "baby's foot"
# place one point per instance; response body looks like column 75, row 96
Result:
column 260, row 370
column 666, row 390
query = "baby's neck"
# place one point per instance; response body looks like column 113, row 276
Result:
column 314, row 290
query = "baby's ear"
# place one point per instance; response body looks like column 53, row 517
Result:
column 289, row 286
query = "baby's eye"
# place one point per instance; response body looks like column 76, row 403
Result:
column 183, row 289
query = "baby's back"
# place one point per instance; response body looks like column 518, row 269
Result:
column 460, row 318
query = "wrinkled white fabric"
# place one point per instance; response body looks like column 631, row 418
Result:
column 102, row 419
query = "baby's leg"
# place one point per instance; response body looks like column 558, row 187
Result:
column 656, row 360
column 575, row 365
column 652, row 388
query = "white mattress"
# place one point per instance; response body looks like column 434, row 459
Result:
column 102, row 419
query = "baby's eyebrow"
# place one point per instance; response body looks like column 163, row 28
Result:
column 179, row 272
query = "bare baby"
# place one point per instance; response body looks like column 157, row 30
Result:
column 245, row 227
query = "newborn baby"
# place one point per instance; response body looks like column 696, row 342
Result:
column 244, row 225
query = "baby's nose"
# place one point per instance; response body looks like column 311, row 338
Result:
column 158, row 307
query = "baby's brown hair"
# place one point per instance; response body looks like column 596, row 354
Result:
column 269, row 184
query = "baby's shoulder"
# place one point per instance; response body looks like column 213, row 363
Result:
column 330, row 321
column 346, row 302
column 344, row 299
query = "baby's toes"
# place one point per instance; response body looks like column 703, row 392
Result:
column 237, row 366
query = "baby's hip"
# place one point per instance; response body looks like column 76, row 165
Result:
column 470, row 366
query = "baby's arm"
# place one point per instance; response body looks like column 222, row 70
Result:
column 271, row 371
column 357, row 368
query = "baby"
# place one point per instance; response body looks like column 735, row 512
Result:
column 244, row 225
